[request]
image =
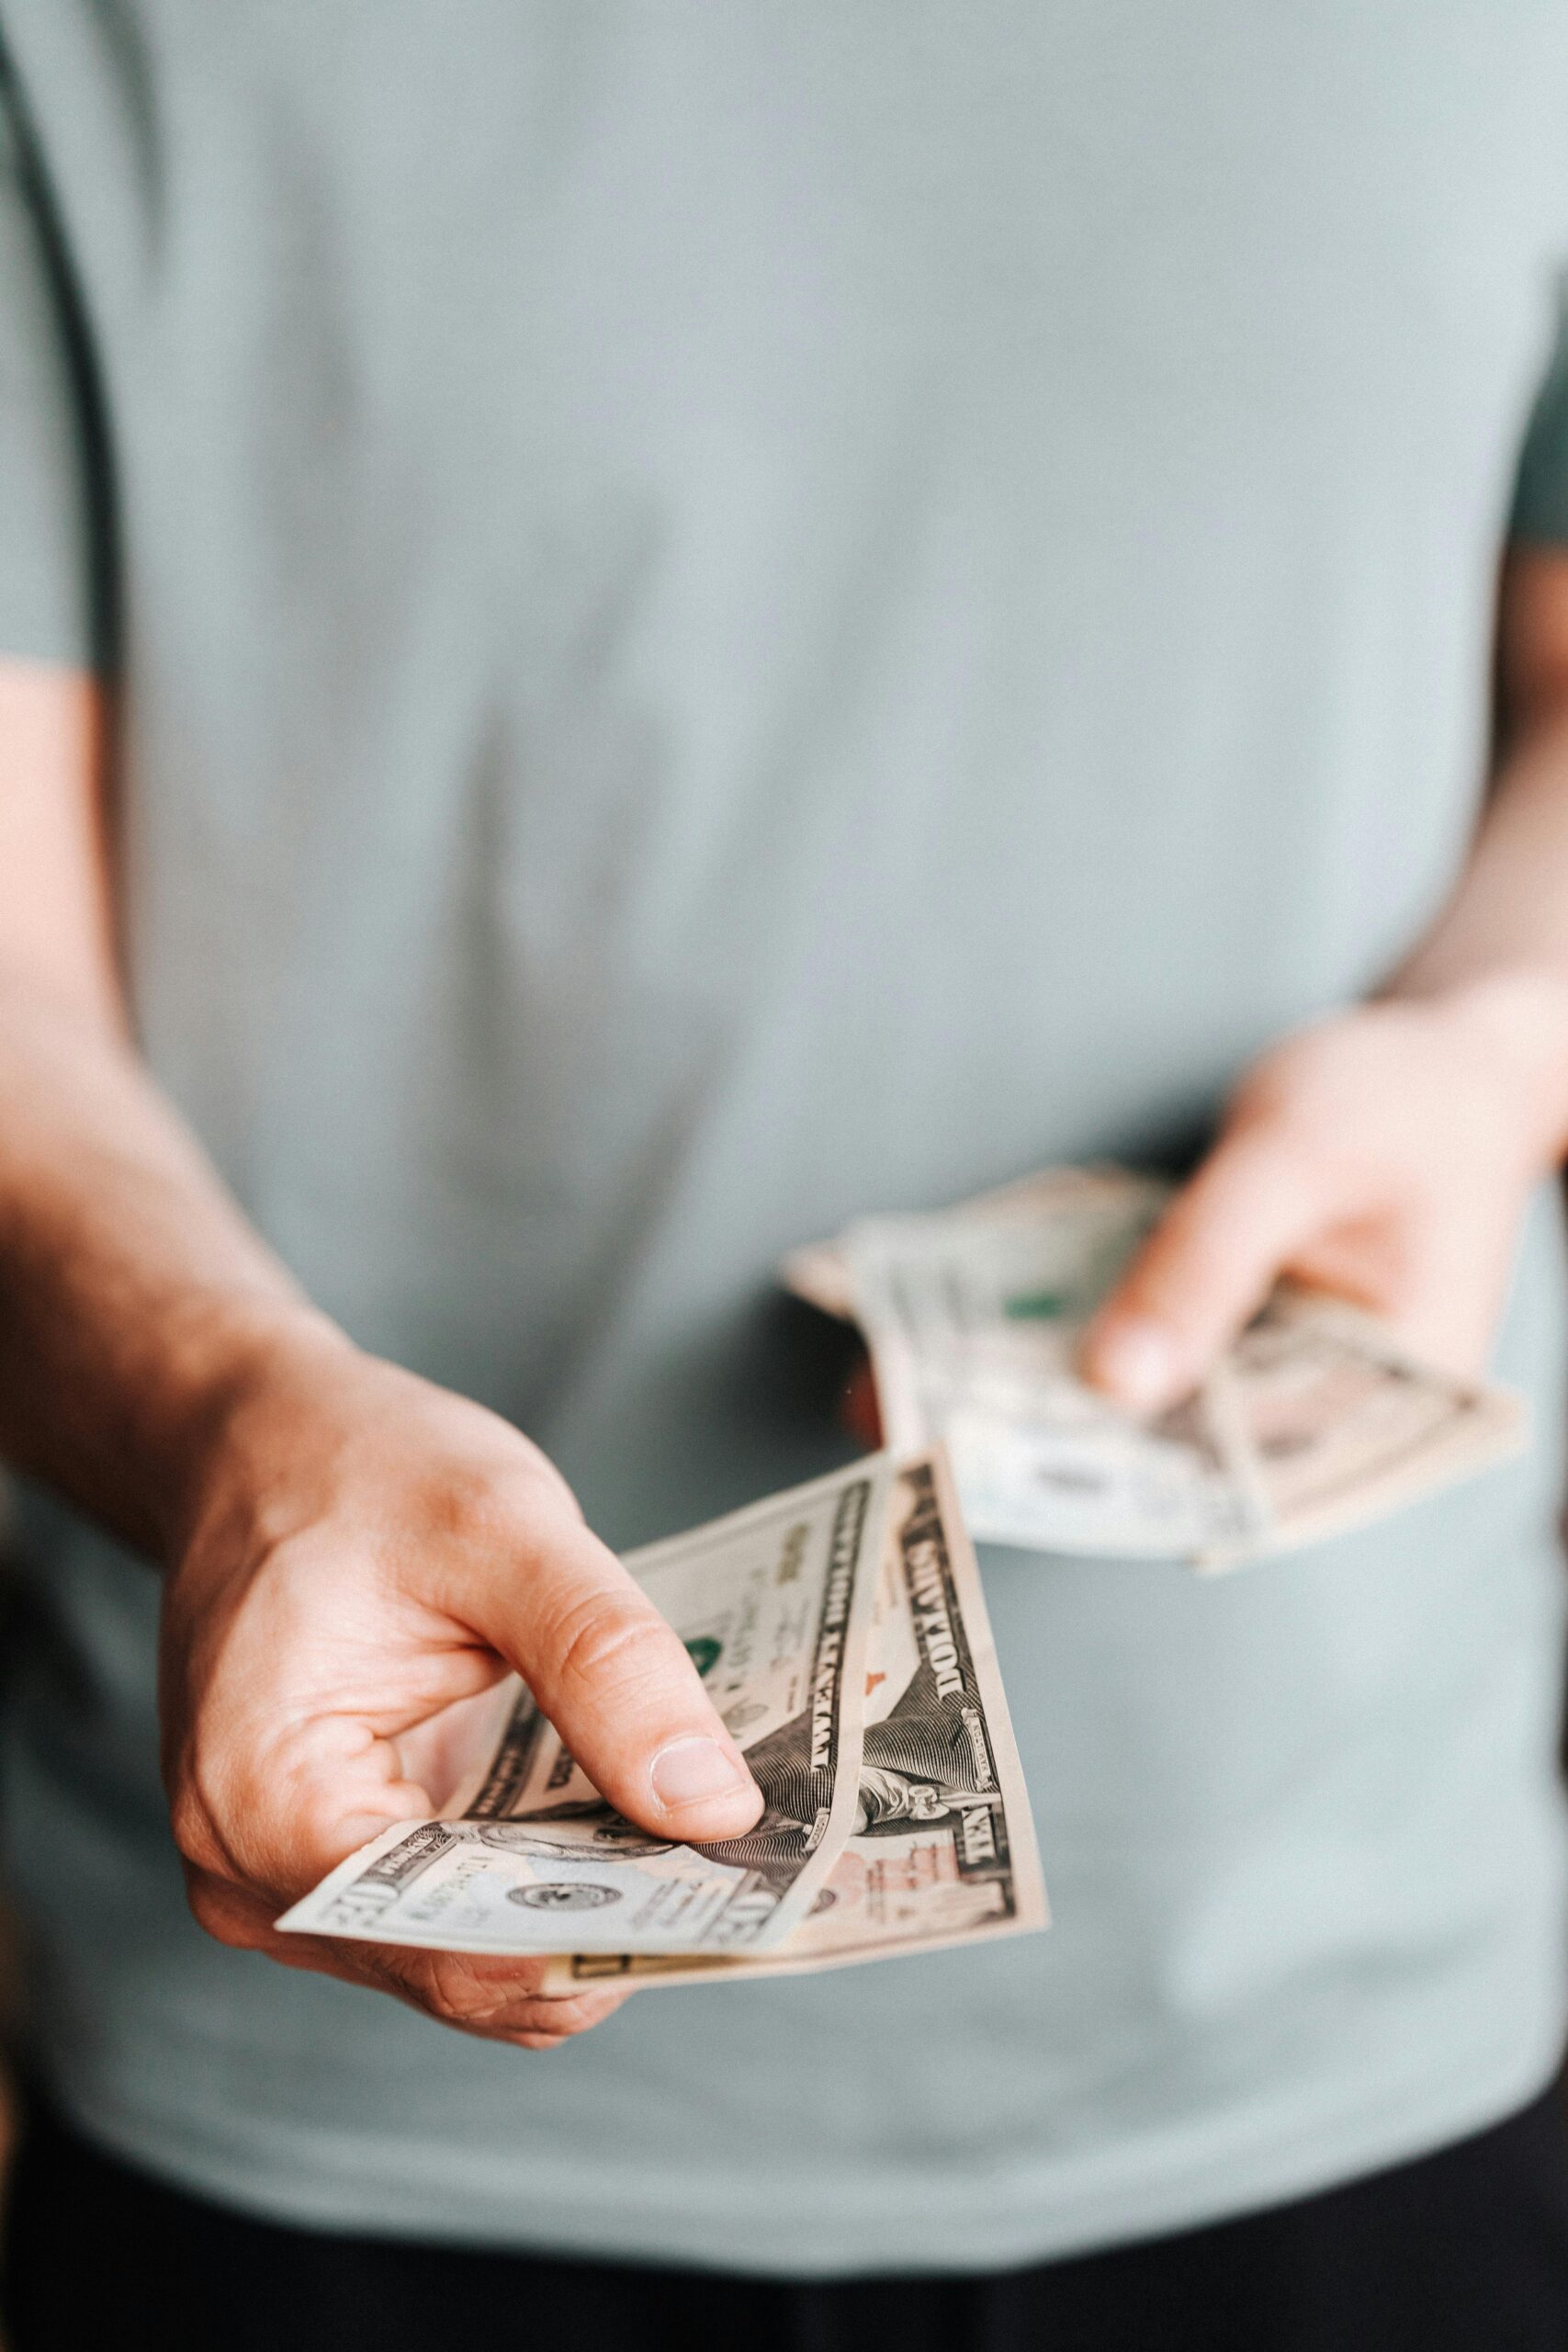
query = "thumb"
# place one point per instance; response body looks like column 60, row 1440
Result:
column 1204, row 1271
column 617, row 1684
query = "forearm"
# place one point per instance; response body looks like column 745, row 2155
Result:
column 1385, row 1154
column 135, row 1301
column 1497, row 956
column 354, row 1553
column 1510, row 910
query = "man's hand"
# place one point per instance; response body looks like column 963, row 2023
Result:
column 351, row 1553
column 1385, row 1155
column 365, row 1552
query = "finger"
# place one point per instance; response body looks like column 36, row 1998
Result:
column 488, row 1992
column 498, row 1997
column 275, row 1811
column 1205, row 1270
column 484, row 1995
column 617, row 1684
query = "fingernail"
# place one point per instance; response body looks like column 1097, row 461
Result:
column 1138, row 1361
column 689, row 1769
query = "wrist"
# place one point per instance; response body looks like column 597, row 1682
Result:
column 231, row 1363
column 1513, row 1025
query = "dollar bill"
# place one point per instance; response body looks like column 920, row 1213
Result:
column 974, row 1325
column 819, row 1271
column 1344, row 1427
column 773, row 1604
column 942, row 1850
column 1314, row 1422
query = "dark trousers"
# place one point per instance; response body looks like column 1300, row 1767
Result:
column 1466, row 2251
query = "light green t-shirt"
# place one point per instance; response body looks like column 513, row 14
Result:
column 731, row 616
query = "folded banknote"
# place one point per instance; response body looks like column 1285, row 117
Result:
column 840, row 1631
column 1315, row 1421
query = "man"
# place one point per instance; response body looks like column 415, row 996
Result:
column 718, row 618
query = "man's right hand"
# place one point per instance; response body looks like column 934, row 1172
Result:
column 351, row 1552
column 361, row 1553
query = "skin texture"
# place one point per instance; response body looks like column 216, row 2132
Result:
column 349, row 1553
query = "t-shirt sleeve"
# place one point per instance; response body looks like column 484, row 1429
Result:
column 48, row 605
column 1539, row 517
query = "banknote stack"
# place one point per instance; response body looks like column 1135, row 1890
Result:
column 1314, row 1422
column 840, row 1631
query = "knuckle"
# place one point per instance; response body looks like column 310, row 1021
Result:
column 1298, row 1175
column 191, row 1822
column 218, row 1916
column 459, row 1993
column 402, row 1975
column 476, row 2000
column 601, row 1644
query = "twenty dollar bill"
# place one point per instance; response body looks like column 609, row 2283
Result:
column 773, row 1604
column 943, row 1850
